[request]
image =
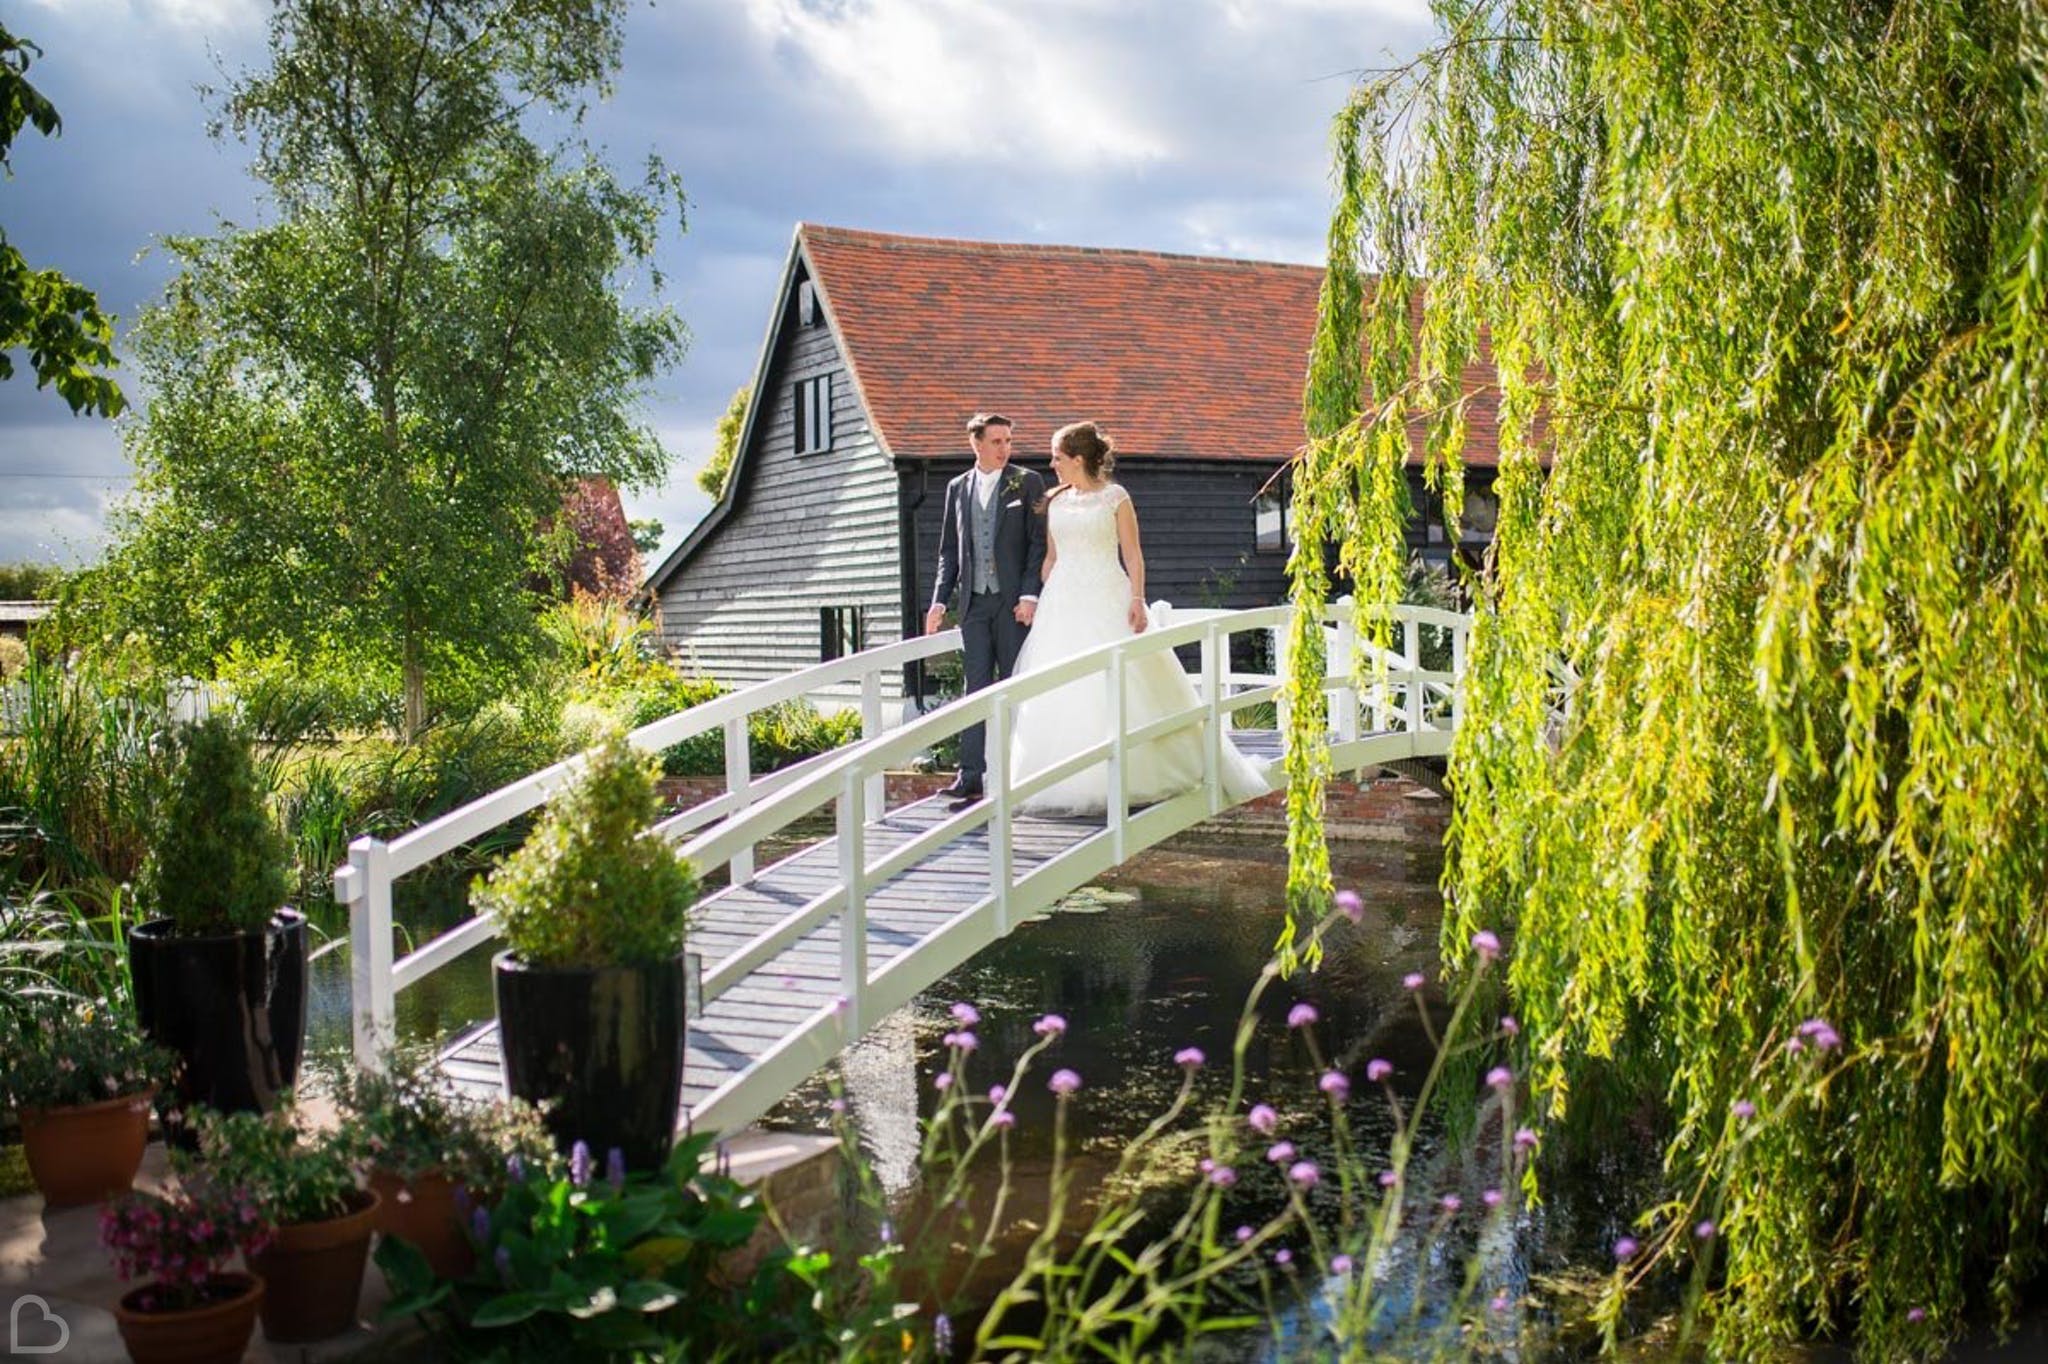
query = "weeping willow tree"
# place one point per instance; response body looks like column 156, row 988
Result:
column 1756, row 722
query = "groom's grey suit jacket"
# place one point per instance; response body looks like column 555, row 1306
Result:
column 1020, row 538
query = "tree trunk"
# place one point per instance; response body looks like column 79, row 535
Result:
column 415, row 687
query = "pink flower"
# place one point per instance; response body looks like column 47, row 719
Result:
column 1414, row 980
column 1625, row 1249
column 1389, row 1178
column 1190, row 1057
column 1002, row 1118
column 1280, row 1152
column 1704, row 1231
column 1486, row 944
column 1262, row 1119
column 1378, row 1069
column 1243, row 1234
column 943, row 1081
column 1223, row 1176
column 1052, row 1025
column 966, row 1014
column 1743, row 1109
column 1451, row 1202
column 966, row 1041
column 1500, row 1077
column 1916, row 1315
column 1509, row 1026
column 1301, row 1015
column 1335, row 1084
column 1283, row 1256
column 1063, row 1082
column 1499, row 1301
column 1350, row 905
column 1524, row 1139
column 1303, row 1174
column 1491, row 1198
column 1340, row 1264
column 997, row 1093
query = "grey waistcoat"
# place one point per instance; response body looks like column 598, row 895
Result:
column 982, row 525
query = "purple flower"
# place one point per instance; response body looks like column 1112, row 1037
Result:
column 942, row 1326
column 1063, row 1082
column 1223, row 1176
column 943, row 1081
column 1486, row 944
column 516, row 1168
column 1283, row 1256
column 1451, row 1202
column 1378, row 1069
column 1350, row 905
column 1280, row 1152
column 1205, row 1165
column 966, row 1041
column 1625, row 1249
column 1491, row 1198
column 1304, row 1174
column 1499, row 1301
column 1704, row 1231
column 1301, row 1015
column 615, row 1169
column 1335, row 1085
column 837, row 1106
column 1244, row 1234
column 997, row 1093
column 1389, row 1178
column 966, row 1015
column 1743, row 1109
column 1002, row 1118
column 1500, row 1077
column 1340, row 1264
column 1262, row 1119
column 1509, row 1026
column 1818, row 1032
column 1793, row 1046
column 1414, row 980
column 1190, row 1057
column 1525, row 1139
column 888, row 1230
column 579, row 1163
column 1052, row 1025
column 1916, row 1314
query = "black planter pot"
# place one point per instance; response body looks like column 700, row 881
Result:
column 233, row 1006
column 606, row 1043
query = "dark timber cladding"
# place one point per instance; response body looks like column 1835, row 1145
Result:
column 807, row 529
column 881, row 348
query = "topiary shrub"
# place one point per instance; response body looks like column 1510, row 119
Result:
column 217, row 861
column 592, row 886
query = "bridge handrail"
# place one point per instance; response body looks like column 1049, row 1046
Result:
column 851, row 775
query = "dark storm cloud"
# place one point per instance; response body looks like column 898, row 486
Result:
column 1178, row 125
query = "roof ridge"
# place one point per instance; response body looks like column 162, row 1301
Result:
column 972, row 246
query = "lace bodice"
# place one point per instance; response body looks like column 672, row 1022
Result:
column 1083, row 530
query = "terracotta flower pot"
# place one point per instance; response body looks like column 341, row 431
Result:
column 215, row 1332
column 424, row 1213
column 89, row 1152
column 313, row 1274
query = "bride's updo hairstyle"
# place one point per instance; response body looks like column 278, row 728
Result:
column 1090, row 444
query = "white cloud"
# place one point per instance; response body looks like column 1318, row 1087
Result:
column 963, row 79
column 206, row 16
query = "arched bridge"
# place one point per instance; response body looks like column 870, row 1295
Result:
column 794, row 961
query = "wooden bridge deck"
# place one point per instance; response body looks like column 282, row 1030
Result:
column 791, row 989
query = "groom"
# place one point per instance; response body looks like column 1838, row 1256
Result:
column 991, row 548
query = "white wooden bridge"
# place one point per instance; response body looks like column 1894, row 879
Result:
column 795, row 961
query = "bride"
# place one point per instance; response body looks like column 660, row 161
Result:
column 1091, row 599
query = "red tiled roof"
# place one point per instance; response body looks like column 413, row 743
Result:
column 1188, row 356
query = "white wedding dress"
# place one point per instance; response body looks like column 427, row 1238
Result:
column 1084, row 604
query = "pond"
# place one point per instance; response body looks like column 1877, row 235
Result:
column 1161, row 956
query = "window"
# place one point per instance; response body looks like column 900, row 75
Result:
column 807, row 303
column 1272, row 523
column 842, row 630
column 814, row 415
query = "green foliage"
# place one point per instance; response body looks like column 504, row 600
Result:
column 29, row 582
column 604, row 642
column 592, row 885
column 1765, row 288
column 363, row 412
column 58, row 321
column 83, row 772
column 725, row 443
column 63, row 1053
column 611, row 1265
column 290, row 1171
column 647, row 532
column 217, row 863
column 63, row 944
column 405, row 1119
column 13, row 658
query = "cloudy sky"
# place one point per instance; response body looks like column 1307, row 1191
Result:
column 1174, row 125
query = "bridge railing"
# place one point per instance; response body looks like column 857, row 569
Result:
column 1392, row 688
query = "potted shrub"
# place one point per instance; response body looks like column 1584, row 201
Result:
column 593, row 908
column 190, row 1311
column 433, row 1155
column 305, row 1185
column 220, row 968
column 82, row 1079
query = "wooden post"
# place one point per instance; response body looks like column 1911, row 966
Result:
column 374, row 1003
column 1458, row 639
column 1214, row 642
column 853, row 917
column 1119, row 751
column 1411, row 658
column 871, row 728
column 739, row 778
column 1000, row 860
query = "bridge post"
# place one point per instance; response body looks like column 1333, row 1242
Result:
column 1214, row 643
column 1344, row 699
column 1000, row 865
column 365, row 886
column 1459, row 633
column 1411, row 658
column 871, row 728
column 738, row 778
column 853, row 916
column 1119, row 796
